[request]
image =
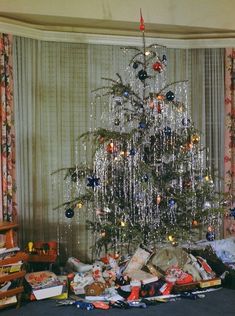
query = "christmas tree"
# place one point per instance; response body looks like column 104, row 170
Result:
column 150, row 180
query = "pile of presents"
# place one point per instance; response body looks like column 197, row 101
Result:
column 145, row 274
column 124, row 281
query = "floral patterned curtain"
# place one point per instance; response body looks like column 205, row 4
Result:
column 7, row 133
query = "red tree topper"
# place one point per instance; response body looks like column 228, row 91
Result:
column 142, row 27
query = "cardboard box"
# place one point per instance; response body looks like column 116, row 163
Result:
column 65, row 291
column 210, row 283
column 44, row 284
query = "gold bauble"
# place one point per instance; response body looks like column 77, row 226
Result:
column 195, row 138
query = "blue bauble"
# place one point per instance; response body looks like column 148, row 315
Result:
column 126, row 94
column 142, row 75
column 210, row 236
column 135, row 65
column 69, row 213
column 171, row 202
column 170, row 96
column 132, row 152
column 146, row 178
column 167, row 131
column 186, row 122
column 142, row 125
column 93, row 181
column 232, row 212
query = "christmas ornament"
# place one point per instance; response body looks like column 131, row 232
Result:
column 101, row 139
column 79, row 205
column 157, row 67
column 185, row 121
column 160, row 97
column 103, row 233
column 164, row 60
column 123, row 153
column 210, row 235
column 132, row 152
column 93, row 181
column 159, row 108
column 126, row 94
column 146, row 178
column 69, row 213
column 170, row 96
column 167, row 131
column 111, row 148
column 171, row 202
column 158, row 199
column 195, row 138
column 142, row 27
column 187, row 183
column 151, row 104
column 135, row 65
column 171, row 238
column 206, row 205
column 194, row 223
column 74, row 177
column 123, row 224
column 232, row 212
column 116, row 122
column 142, row 75
column 142, row 125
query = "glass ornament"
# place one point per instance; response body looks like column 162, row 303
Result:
column 171, row 202
column 93, row 181
column 167, row 131
column 132, row 152
column 157, row 67
column 135, row 65
column 126, row 94
column 146, row 178
column 116, row 122
column 170, row 96
column 103, row 234
column 186, row 121
column 123, row 224
column 158, row 199
column 206, row 205
column 232, row 212
column 151, row 104
column 195, row 138
column 142, row 75
column 210, row 235
column 69, row 213
column 111, row 148
column 123, row 153
column 142, row 125
column 159, row 108
column 79, row 205
column 171, row 238
column 101, row 139
column 74, row 177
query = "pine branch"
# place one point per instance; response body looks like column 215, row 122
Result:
column 81, row 199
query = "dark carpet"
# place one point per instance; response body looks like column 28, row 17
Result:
column 217, row 303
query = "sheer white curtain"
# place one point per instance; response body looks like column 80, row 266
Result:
column 206, row 74
column 53, row 84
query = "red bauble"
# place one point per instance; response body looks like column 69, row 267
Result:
column 157, row 67
column 159, row 108
column 111, row 148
